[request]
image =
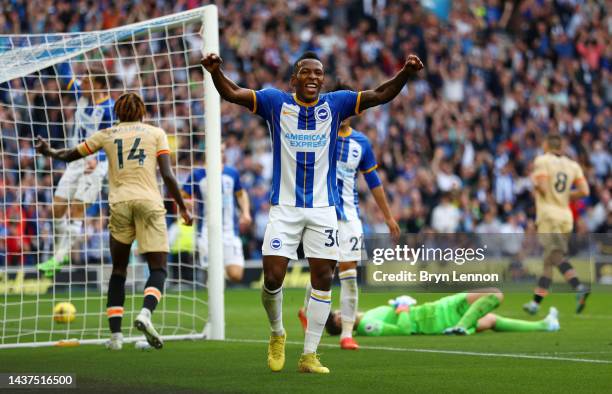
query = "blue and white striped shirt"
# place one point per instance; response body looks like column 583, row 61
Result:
column 354, row 154
column 304, row 138
column 195, row 186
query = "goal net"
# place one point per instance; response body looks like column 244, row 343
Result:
column 57, row 86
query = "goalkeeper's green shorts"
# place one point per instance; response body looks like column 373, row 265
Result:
column 435, row 317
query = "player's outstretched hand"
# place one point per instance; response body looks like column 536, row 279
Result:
column 414, row 64
column 42, row 147
column 394, row 228
column 186, row 215
column 245, row 221
column 211, row 62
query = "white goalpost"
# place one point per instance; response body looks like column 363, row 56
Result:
column 160, row 60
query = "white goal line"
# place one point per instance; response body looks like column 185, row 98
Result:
column 77, row 342
column 442, row 351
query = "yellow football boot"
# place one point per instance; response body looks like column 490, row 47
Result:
column 310, row 363
column 276, row 352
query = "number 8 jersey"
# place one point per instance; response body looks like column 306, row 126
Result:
column 561, row 173
column 304, row 139
column 132, row 149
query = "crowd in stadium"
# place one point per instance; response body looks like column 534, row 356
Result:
column 455, row 150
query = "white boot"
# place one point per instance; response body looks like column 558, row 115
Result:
column 115, row 342
column 143, row 324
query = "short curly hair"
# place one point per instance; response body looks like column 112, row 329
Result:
column 130, row 108
column 306, row 55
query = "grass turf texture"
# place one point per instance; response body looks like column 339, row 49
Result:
column 399, row 364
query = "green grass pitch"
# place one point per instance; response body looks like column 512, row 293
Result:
column 576, row 359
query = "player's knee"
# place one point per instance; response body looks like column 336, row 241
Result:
column 77, row 210
column 486, row 322
column 121, row 271
column 157, row 266
column 272, row 280
column 345, row 266
column 59, row 209
column 495, row 292
column 498, row 293
column 156, row 260
column 234, row 273
column 322, row 278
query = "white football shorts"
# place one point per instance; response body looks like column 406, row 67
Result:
column 76, row 185
column 232, row 250
column 350, row 235
column 316, row 228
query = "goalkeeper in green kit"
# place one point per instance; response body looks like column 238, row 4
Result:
column 458, row 314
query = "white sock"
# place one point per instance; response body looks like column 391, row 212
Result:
column 76, row 231
column 70, row 236
column 272, row 301
column 75, row 227
column 117, row 336
column 60, row 225
column 307, row 297
column 348, row 301
column 60, row 232
column 319, row 306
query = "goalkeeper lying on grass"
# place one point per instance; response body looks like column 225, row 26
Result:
column 458, row 314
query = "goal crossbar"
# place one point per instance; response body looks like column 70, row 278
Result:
column 19, row 62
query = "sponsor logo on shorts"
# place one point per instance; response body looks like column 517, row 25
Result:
column 276, row 243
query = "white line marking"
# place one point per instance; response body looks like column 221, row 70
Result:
column 602, row 352
column 564, row 317
column 441, row 351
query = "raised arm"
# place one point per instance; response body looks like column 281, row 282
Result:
column 67, row 155
column 225, row 86
column 163, row 161
column 388, row 90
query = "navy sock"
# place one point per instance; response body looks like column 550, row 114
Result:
column 153, row 289
column 542, row 290
column 115, row 301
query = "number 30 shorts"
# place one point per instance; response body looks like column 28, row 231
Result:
column 316, row 228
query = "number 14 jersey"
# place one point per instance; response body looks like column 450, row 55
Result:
column 132, row 149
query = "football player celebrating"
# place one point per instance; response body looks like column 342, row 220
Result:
column 82, row 181
column 304, row 131
column 354, row 156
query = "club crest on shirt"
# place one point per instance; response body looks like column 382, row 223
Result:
column 322, row 114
